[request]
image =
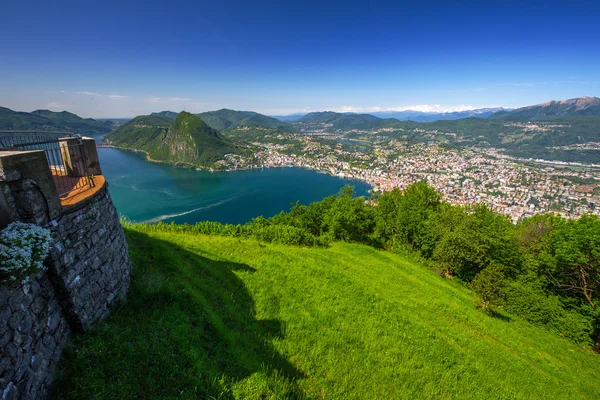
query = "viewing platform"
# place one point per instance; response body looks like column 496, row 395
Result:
column 60, row 167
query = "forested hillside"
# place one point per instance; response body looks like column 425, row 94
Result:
column 46, row 120
column 187, row 139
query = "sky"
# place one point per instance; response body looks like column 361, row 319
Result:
column 122, row 59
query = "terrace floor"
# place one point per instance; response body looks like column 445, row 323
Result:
column 76, row 188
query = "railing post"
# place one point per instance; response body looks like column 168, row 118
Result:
column 91, row 156
column 73, row 157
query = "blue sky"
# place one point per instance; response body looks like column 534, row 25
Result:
column 106, row 59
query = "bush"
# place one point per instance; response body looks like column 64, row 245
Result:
column 23, row 248
column 528, row 300
column 286, row 235
column 490, row 287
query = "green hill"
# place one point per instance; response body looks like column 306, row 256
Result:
column 51, row 121
column 216, row 317
column 225, row 119
column 186, row 140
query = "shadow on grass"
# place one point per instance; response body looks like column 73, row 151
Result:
column 188, row 330
column 498, row 315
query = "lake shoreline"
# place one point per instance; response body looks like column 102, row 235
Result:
column 152, row 191
column 197, row 168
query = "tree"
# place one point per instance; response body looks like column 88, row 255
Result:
column 577, row 269
column 490, row 287
column 577, row 250
column 419, row 202
column 386, row 215
column 349, row 218
column 471, row 238
column 404, row 216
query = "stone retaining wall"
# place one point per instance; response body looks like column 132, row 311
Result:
column 33, row 332
column 89, row 262
column 88, row 274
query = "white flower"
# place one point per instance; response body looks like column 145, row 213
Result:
column 23, row 248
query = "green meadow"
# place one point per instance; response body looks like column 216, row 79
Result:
column 220, row 317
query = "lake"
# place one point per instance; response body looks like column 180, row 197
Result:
column 150, row 192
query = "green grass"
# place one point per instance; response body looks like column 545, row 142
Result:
column 215, row 317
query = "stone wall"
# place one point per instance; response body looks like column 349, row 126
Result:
column 88, row 274
column 89, row 263
column 33, row 332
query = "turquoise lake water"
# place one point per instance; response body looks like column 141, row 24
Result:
column 149, row 192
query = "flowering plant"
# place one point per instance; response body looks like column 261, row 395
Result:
column 23, row 248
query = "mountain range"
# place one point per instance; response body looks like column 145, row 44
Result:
column 556, row 124
column 51, row 121
column 582, row 106
column 408, row 115
column 420, row 116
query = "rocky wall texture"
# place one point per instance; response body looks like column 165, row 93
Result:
column 33, row 331
column 89, row 262
column 88, row 274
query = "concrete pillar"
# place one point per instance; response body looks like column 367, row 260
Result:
column 28, row 188
column 73, row 156
column 91, row 156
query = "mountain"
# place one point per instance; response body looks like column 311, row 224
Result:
column 407, row 115
column 187, row 139
column 419, row 116
column 51, row 121
column 288, row 118
column 339, row 120
column 226, row 119
column 169, row 114
column 578, row 107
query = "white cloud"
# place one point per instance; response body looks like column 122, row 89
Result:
column 110, row 96
column 53, row 105
column 179, row 99
column 152, row 100
column 527, row 84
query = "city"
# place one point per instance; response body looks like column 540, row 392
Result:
column 509, row 185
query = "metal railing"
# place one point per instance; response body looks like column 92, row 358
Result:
column 67, row 161
column 10, row 138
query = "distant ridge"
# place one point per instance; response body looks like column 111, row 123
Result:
column 225, row 119
column 339, row 119
column 407, row 115
column 420, row 116
column 51, row 121
column 579, row 107
column 169, row 114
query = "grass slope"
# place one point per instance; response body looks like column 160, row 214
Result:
column 213, row 317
